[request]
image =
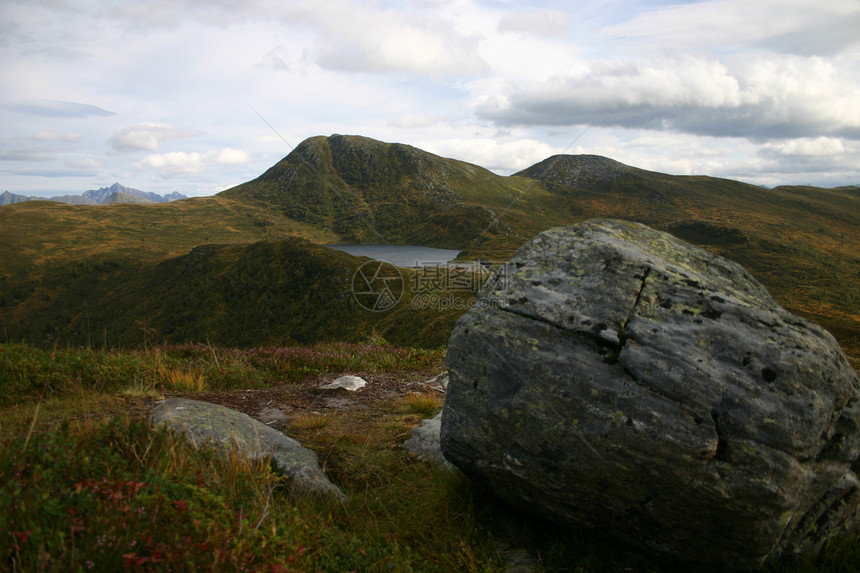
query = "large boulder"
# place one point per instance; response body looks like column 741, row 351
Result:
column 617, row 377
column 212, row 425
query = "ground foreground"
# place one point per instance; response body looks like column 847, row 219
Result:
column 88, row 484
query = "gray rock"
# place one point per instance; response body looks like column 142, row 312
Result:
column 424, row 443
column 617, row 377
column 348, row 382
column 518, row 559
column 208, row 425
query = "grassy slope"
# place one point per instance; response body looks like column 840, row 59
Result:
column 88, row 484
column 58, row 261
column 373, row 192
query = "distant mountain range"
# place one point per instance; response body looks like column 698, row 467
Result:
column 116, row 193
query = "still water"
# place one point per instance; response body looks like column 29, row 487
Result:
column 400, row 255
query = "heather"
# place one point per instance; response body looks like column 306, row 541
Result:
column 90, row 485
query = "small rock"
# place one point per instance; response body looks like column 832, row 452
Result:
column 424, row 443
column 519, row 560
column 439, row 382
column 351, row 383
column 206, row 424
column 270, row 415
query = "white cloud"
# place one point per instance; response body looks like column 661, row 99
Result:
column 85, row 163
column 46, row 135
column 794, row 26
column 538, row 22
column 228, row 156
column 25, row 154
column 349, row 35
column 413, row 120
column 58, row 109
column 363, row 40
column 146, row 136
column 805, row 146
column 760, row 96
column 504, row 157
column 178, row 163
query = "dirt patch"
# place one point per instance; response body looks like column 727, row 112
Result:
column 279, row 405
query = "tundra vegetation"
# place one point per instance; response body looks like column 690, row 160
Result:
column 105, row 309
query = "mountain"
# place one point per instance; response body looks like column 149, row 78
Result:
column 367, row 191
column 68, row 199
column 124, row 275
column 122, row 197
column 9, row 198
column 116, row 193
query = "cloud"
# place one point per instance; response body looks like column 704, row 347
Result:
column 801, row 27
column 539, row 22
column 59, row 109
column 26, row 154
column 503, row 157
column 85, row 163
column 55, row 136
column 828, row 36
column 273, row 60
column 413, row 120
column 803, row 147
column 765, row 96
column 388, row 41
column 177, row 163
column 349, row 35
column 51, row 173
column 146, row 136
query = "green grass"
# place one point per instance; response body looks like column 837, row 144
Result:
column 29, row 373
column 89, row 484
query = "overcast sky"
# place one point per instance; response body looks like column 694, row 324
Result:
column 178, row 95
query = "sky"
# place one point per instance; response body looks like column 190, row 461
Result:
column 197, row 96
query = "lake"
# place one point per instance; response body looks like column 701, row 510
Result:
column 400, row 255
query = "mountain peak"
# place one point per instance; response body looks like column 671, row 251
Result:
column 118, row 193
column 576, row 170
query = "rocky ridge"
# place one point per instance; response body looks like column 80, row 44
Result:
column 113, row 194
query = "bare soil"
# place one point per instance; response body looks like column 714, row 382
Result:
column 279, row 405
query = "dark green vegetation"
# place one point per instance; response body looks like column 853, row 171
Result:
column 174, row 284
column 88, row 484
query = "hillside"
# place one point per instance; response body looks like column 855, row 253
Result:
column 367, row 191
column 62, row 266
column 269, row 293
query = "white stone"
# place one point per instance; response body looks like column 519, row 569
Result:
column 351, row 383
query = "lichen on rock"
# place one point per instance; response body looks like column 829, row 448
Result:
column 615, row 376
column 212, row 425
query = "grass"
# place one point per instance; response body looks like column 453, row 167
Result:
column 31, row 374
column 425, row 405
column 89, row 484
